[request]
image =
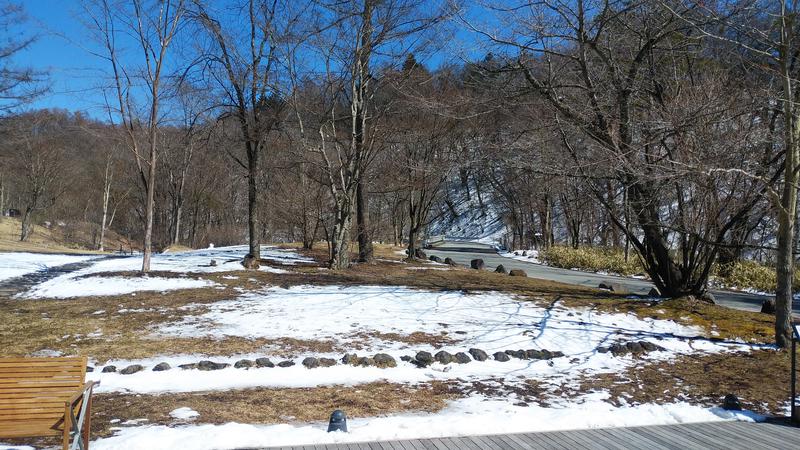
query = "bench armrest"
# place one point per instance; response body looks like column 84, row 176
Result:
column 80, row 393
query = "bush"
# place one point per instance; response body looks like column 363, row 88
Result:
column 593, row 259
column 753, row 276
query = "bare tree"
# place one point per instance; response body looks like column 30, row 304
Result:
column 18, row 85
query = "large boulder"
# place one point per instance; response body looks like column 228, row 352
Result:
column 478, row 354
column 311, row 362
column 500, row 269
column 211, row 365
column 435, row 259
column 517, row 273
column 477, row 264
column 133, row 368
column 350, row 359
column 250, row 262
column 501, row 356
column 519, row 354
column 264, row 362
column 462, row 358
column 160, row 367
column 286, row 363
column 383, row 360
column 423, row 359
column 443, row 357
column 244, row 364
column 327, row 362
column 768, row 306
column 534, row 354
column 449, row 261
column 109, row 369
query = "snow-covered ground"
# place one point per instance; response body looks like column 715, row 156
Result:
column 17, row 264
column 82, row 283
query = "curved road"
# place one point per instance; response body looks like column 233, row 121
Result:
column 463, row 252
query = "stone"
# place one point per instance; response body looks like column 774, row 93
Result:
column 602, row 349
column 211, row 365
column 501, row 356
column 525, row 253
column 419, row 254
column 557, row 354
column 162, row 366
column 133, row 368
column 708, row 297
column 547, row 354
column 213, row 263
column 731, row 403
column 500, row 269
column 435, row 259
column 654, row 293
column 406, row 358
column 189, row 366
column 286, row 363
column 311, row 362
column 264, row 362
column 534, row 354
column 109, row 369
column 478, row 354
column 443, row 357
column 768, row 306
column 604, row 286
column 462, row 358
column 634, row 347
column 618, row 349
column 648, row 346
column 250, row 262
column 519, row 354
column 350, row 359
column 89, row 369
column 516, row 253
column 517, row 273
column 365, row 362
column 477, row 264
column 383, row 360
column 423, row 359
column 244, row 364
column 449, row 261
column 327, row 362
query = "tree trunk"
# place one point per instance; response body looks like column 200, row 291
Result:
column 149, row 207
column 26, row 225
column 365, row 249
column 252, row 202
column 340, row 238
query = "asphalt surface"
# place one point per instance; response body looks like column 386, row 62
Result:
column 463, row 252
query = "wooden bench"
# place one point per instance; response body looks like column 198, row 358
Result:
column 46, row 397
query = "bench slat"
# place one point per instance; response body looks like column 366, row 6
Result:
column 30, row 429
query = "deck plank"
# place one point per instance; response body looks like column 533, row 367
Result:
column 729, row 435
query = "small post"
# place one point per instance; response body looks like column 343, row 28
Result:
column 338, row 421
column 795, row 337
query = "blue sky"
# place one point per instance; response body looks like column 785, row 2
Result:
column 64, row 46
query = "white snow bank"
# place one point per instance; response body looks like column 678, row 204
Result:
column 184, row 413
column 532, row 256
column 14, row 264
column 94, row 286
column 473, row 415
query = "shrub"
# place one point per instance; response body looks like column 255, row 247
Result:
column 752, row 275
column 594, row 259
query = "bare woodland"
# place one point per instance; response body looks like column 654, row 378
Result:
column 666, row 128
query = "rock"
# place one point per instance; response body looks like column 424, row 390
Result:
column 462, row 358
column 383, row 360
column 327, row 362
column 350, row 359
column 602, row 349
column 109, row 369
column 311, row 363
column 213, row 263
column 516, row 253
column 406, row 358
column 618, row 349
column 708, row 297
column 477, row 264
column 604, row 286
column 557, row 354
column 547, row 354
column 768, row 306
column 525, row 253
column 534, row 354
column 435, row 258
column 365, row 362
column 132, row 369
column 188, row 366
column 250, row 262
column 517, row 273
column 501, row 356
column 654, row 293
column 419, row 254
column 264, row 362
column 211, row 365
column 634, row 347
column 423, row 359
column 519, row 354
column 449, row 261
column 478, row 354
column 162, row 366
column 89, row 369
column 286, row 363
column 244, row 364
column 731, row 403
column 648, row 346
column 443, row 357
column 500, row 269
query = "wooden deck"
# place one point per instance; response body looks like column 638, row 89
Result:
column 716, row 435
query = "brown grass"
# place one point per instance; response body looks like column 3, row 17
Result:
column 759, row 378
column 74, row 238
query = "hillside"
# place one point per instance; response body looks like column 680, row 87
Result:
column 75, row 237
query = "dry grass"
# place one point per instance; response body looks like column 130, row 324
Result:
column 759, row 378
column 73, row 238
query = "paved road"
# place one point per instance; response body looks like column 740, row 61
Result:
column 463, row 252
